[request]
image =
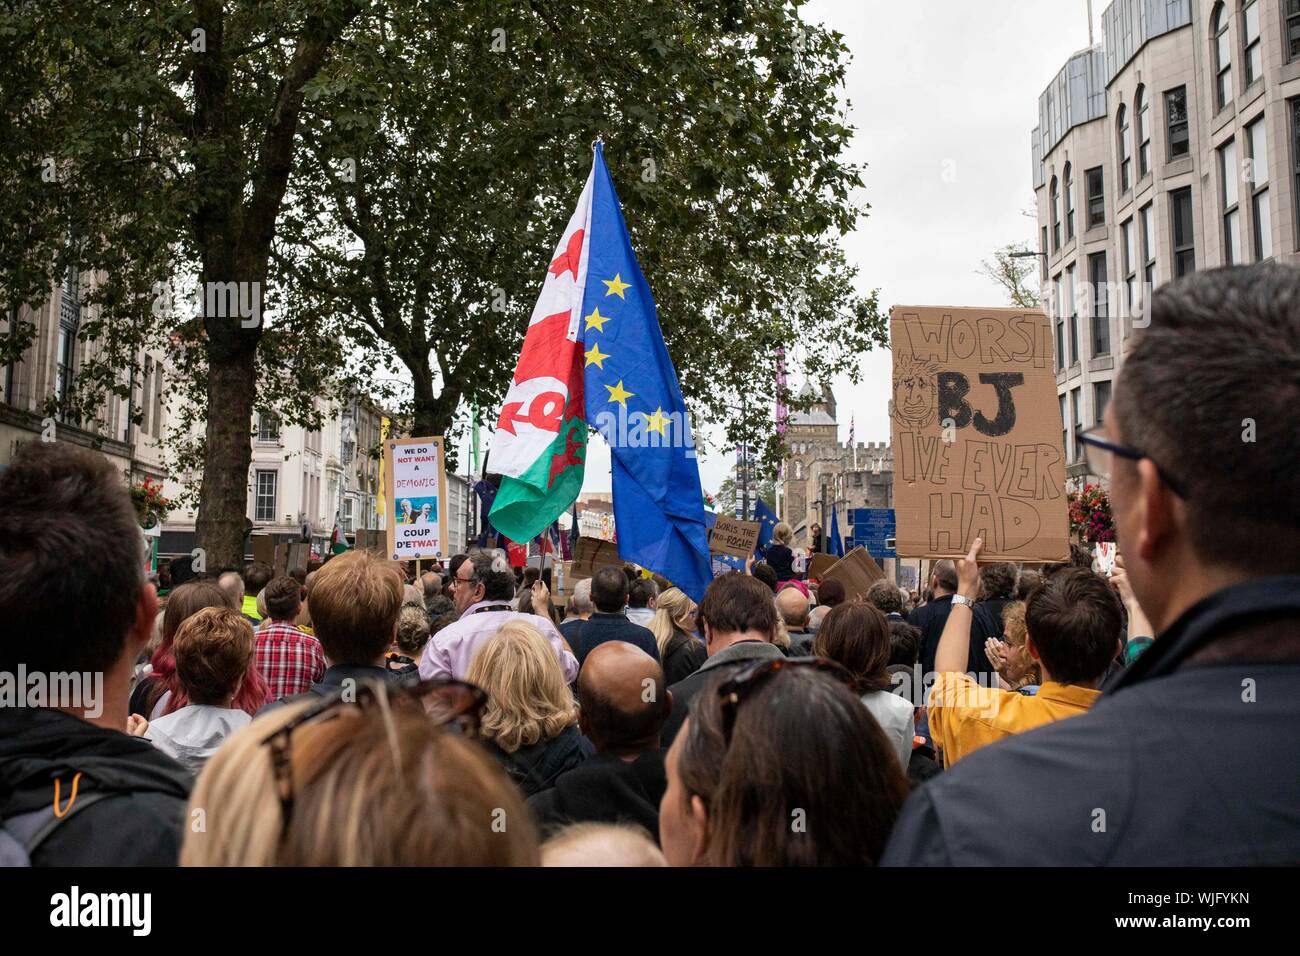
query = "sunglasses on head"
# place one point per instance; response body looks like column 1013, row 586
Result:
column 452, row 704
column 733, row 691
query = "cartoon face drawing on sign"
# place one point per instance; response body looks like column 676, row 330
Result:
column 915, row 391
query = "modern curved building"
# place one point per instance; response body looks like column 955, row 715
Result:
column 1172, row 146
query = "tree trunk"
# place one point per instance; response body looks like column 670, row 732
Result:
column 431, row 415
column 222, row 517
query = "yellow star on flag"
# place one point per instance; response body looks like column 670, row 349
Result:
column 595, row 357
column 616, row 285
column 618, row 394
column 657, row 422
column 596, row 320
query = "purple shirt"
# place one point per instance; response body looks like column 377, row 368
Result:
column 449, row 652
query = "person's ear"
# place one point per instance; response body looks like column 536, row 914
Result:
column 1030, row 649
column 668, row 701
column 708, row 633
column 584, row 724
column 1156, row 510
column 146, row 610
column 699, row 830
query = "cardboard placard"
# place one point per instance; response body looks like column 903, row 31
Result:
column 298, row 554
column 857, row 571
column 819, row 564
column 976, row 431
column 734, row 537
column 263, row 549
column 416, row 478
column 593, row 553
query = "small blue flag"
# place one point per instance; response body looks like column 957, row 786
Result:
column 836, row 544
column 632, row 396
column 767, row 521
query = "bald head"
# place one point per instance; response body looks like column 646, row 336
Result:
column 622, row 697
column 793, row 607
column 232, row 582
column 943, row 577
column 601, row 844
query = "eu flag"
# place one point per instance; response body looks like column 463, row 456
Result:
column 767, row 522
column 633, row 398
column 836, row 544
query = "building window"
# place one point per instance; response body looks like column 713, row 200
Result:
column 1069, row 202
column 1256, row 138
column 1231, row 214
column 1292, row 30
column 268, row 428
column 1295, row 158
column 1055, row 193
column 1125, row 151
column 264, row 502
column 1100, row 399
column 1222, row 57
column 1097, row 195
column 1148, row 220
column 1100, row 304
column 1176, row 122
column 1130, row 265
column 1072, row 304
column 1180, row 217
column 66, row 357
column 1253, row 51
column 1076, row 414
column 1065, row 428
column 1143, row 132
column 1060, row 324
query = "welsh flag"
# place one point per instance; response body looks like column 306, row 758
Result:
column 540, row 442
column 338, row 543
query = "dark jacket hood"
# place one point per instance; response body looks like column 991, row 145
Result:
column 39, row 746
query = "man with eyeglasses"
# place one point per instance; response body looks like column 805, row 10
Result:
column 1191, row 754
column 483, row 587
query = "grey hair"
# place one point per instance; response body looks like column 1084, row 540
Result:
column 581, row 602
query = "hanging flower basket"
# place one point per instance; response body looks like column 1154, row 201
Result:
column 151, row 506
column 1090, row 517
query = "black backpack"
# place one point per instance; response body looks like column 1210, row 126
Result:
column 21, row 835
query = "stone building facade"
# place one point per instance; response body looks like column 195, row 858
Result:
column 1172, row 146
column 821, row 470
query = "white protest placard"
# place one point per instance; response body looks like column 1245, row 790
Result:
column 417, row 494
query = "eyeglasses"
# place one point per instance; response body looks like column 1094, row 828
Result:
column 453, row 704
column 733, row 692
column 1099, row 453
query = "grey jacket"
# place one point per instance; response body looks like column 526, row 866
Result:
column 684, row 691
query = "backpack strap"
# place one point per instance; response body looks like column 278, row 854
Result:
column 29, row 830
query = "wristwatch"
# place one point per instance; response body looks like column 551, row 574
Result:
column 962, row 599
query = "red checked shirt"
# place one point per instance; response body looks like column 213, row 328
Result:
column 290, row 660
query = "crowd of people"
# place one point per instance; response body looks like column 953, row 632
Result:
column 354, row 712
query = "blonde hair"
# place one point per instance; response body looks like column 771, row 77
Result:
column 1014, row 630
column 413, row 627
column 528, row 698
column 782, row 533
column 781, row 636
column 672, row 607
column 380, row 786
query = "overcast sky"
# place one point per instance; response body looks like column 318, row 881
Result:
column 943, row 95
